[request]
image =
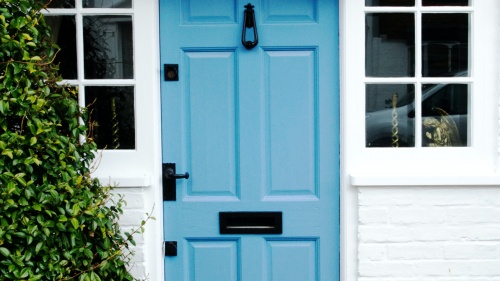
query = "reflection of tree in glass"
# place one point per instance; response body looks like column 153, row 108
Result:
column 103, row 103
column 107, row 4
column 62, row 4
column 97, row 61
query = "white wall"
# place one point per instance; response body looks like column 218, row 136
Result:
column 133, row 213
column 431, row 233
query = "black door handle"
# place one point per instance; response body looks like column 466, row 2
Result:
column 170, row 174
column 170, row 181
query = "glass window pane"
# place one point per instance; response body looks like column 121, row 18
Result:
column 390, row 41
column 445, row 48
column 400, row 3
column 64, row 35
column 445, row 2
column 445, row 111
column 62, row 4
column 112, row 115
column 107, row 3
column 108, row 47
column 390, row 115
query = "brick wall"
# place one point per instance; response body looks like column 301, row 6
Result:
column 435, row 233
column 133, row 213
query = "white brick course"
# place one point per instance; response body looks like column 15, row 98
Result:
column 431, row 233
column 133, row 213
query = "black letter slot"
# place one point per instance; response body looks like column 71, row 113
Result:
column 251, row 222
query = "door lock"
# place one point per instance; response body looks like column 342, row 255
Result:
column 170, row 181
column 172, row 175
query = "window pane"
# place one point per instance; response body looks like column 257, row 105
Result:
column 64, row 35
column 445, row 111
column 390, row 115
column 108, row 47
column 445, row 2
column 406, row 3
column 445, row 48
column 390, row 41
column 112, row 113
column 62, row 4
column 107, row 3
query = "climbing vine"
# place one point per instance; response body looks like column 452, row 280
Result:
column 56, row 222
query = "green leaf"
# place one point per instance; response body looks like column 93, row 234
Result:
column 75, row 223
column 94, row 277
column 88, row 253
column 8, row 152
column 38, row 247
column 4, row 251
column 76, row 209
column 32, row 140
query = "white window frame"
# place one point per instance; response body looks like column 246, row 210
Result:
column 423, row 165
column 122, row 166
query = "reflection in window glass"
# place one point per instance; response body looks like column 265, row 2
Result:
column 445, row 39
column 390, row 115
column 390, row 41
column 445, row 2
column 445, row 111
column 62, row 4
column 107, row 3
column 112, row 115
column 63, row 32
column 400, row 3
column 108, row 47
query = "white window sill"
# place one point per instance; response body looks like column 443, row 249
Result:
column 126, row 181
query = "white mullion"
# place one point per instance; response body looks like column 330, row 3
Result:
column 389, row 80
column 418, row 75
column 80, row 52
column 384, row 9
column 106, row 11
column 473, row 110
column 80, row 57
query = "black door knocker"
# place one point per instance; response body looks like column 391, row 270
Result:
column 249, row 22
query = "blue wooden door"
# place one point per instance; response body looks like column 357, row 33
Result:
column 258, row 132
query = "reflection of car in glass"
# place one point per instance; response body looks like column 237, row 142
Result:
column 444, row 118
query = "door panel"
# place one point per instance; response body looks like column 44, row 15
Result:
column 210, row 99
column 291, row 135
column 258, row 131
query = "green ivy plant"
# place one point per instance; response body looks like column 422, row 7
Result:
column 56, row 222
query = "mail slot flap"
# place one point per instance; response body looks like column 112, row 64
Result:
column 251, row 222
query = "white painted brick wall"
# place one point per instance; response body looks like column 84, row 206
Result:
column 434, row 233
column 133, row 213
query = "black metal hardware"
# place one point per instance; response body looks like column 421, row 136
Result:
column 171, row 72
column 249, row 22
column 170, row 248
column 250, row 222
column 169, row 181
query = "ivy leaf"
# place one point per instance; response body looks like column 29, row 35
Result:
column 8, row 152
column 4, row 251
column 26, row 36
column 75, row 223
